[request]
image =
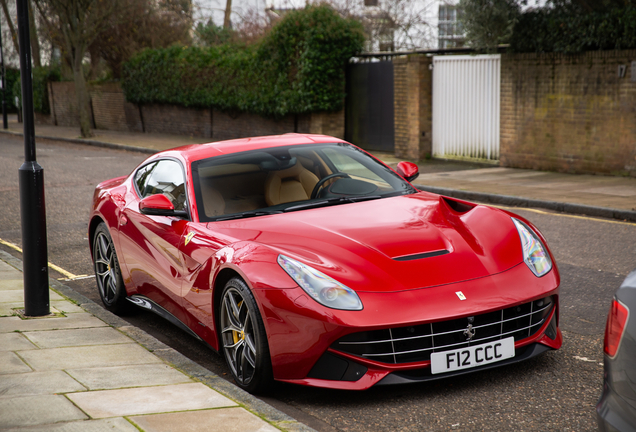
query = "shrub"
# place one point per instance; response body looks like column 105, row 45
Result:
column 41, row 78
column 11, row 76
column 568, row 29
column 298, row 67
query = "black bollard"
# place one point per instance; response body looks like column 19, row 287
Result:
column 31, row 176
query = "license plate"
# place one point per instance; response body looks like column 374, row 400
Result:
column 473, row 356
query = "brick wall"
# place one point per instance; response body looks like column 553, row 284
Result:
column 63, row 103
column 325, row 123
column 569, row 113
column 111, row 112
column 107, row 102
column 244, row 125
column 176, row 120
column 413, row 106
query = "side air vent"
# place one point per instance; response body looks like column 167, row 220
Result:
column 422, row 255
column 459, row 207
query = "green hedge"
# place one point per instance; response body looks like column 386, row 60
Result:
column 11, row 76
column 41, row 78
column 568, row 29
column 298, row 67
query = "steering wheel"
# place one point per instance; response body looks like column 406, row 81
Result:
column 321, row 182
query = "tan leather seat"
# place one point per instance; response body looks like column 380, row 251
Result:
column 288, row 185
column 213, row 202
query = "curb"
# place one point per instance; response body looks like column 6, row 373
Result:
column 87, row 142
column 582, row 209
column 173, row 357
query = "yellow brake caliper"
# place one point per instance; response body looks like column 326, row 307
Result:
column 237, row 336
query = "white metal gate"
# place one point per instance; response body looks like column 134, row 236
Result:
column 466, row 106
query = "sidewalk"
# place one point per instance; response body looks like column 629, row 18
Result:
column 84, row 369
column 593, row 195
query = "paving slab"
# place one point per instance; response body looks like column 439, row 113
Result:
column 38, row 383
column 17, row 294
column 623, row 191
column 225, row 419
column 12, row 295
column 117, row 424
column 14, row 342
column 128, row 376
column 12, row 364
column 9, row 282
column 87, row 356
column 76, row 320
column 77, row 337
column 15, row 412
column 7, row 309
column 13, row 274
column 66, row 307
column 149, row 400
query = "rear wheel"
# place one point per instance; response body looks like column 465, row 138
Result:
column 244, row 339
column 108, row 274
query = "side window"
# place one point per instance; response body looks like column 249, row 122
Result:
column 142, row 177
column 166, row 177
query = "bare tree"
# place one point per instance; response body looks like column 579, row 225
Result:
column 140, row 24
column 33, row 35
column 14, row 34
column 75, row 24
column 390, row 24
column 228, row 12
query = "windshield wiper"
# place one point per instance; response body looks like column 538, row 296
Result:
column 247, row 214
column 331, row 201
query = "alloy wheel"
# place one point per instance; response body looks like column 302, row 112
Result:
column 238, row 336
column 105, row 268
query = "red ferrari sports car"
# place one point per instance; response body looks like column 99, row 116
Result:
column 304, row 259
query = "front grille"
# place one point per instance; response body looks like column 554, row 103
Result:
column 416, row 343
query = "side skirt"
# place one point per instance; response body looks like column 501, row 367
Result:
column 145, row 303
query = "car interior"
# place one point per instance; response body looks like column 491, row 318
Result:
column 261, row 179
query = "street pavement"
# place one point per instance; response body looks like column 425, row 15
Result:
column 82, row 368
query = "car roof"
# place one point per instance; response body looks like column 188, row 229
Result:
column 195, row 152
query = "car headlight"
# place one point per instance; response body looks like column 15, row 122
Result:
column 322, row 288
column 535, row 254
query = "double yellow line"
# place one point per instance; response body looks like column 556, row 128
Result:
column 69, row 276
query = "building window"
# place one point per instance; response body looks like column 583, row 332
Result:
column 450, row 32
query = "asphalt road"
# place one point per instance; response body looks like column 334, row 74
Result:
column 555, row 391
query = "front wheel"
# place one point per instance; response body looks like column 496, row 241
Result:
column 244, row 340
column 108, row 274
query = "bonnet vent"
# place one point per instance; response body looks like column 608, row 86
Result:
column 422, row 255
column 459, row 206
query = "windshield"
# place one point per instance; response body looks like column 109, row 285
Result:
column 292, row 178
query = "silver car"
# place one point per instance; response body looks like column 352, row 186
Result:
column 617, row 407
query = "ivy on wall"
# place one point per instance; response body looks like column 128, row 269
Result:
column 569, row 30
column 298, row 67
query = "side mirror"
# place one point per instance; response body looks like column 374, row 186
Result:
column 408, row 170
column 159, row 205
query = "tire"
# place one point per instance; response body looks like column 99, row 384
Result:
column 243, row 338
column 108, row 274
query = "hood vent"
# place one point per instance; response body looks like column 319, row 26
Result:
column 459, row 206
column 422, row 255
